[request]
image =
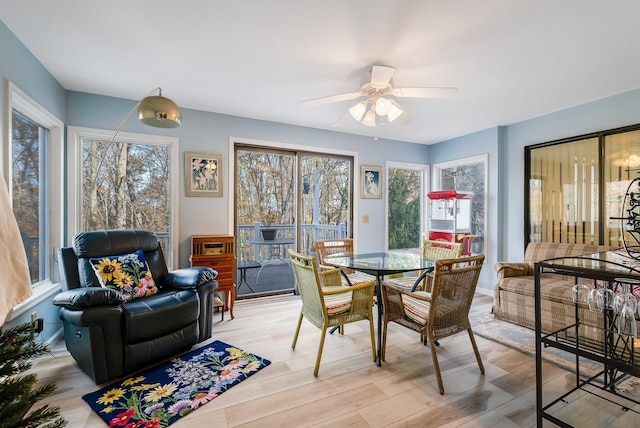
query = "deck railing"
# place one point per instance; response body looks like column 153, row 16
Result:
column 310, row 233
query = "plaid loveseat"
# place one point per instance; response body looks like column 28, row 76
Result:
column 513, row 292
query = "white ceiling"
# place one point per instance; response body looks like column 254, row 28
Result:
column 511, row 60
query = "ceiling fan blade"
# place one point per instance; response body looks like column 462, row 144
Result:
column 405, row 118
column 425, row 92
column 381, row 75
column 332, row 99
column 343, row 120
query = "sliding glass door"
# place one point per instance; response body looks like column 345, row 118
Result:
column 286, row 199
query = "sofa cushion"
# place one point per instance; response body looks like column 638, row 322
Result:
column 552, row 287
column 126, row 273
column 538, row 251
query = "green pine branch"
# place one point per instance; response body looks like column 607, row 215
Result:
column 18, row 392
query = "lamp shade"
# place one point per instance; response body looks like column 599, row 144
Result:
column 370, row 118
column 159, row 112
column 357, row 111
column 394, row 112
column 383, row 106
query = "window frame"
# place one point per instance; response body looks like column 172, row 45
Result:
column 53, row 187
column 437, row 184
column 75, row 134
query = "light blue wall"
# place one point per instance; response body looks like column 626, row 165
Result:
column 210, row 132
column 488, row 143
column 20, row 67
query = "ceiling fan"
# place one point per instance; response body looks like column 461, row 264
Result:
column 378, row 102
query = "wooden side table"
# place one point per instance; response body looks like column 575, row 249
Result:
column 217, row 252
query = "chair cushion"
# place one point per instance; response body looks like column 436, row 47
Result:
column 159, row 315
column 126, row 273
column 338, row 303
column 415, row 309
column 360, row 277
column 405, row 282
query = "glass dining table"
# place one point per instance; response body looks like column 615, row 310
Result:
column 379, row 265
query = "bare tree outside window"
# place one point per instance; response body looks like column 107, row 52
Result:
column 125, row 185
column 27, row 147
column 265, row 187
column 327, row 199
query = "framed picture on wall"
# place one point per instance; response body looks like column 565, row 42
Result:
column 370, row 182
column 203, row 174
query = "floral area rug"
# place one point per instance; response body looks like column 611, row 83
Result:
column 523, row 339
column 161, row 395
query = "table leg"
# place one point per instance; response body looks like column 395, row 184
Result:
column 243, row 279
column 380, row 311
column 232, row 298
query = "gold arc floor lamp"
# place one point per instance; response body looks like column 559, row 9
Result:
column 156, row 111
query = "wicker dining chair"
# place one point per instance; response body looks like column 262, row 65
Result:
column 431, row 250
column 328, row 303
column 327, row 247
column 439, row 314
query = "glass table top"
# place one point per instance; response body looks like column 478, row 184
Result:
column 606, row 263
column 381, row 262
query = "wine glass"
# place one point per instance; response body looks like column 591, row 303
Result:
column 624, row 296
column 579, row 292
column 627, row 319
column 604, row 298
column 591, row 298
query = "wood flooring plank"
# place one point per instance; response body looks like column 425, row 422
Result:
column 350, row 391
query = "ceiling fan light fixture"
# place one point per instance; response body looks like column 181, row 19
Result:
column 394, row 112
column 383, row 106
column 357, row 111
column 370, row 118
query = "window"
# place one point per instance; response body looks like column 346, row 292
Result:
column 405, row 205
column 563, row 193
column 130, row 183
column 33, row 173
column 467, row 175
column 28, row 148
column 577, row 187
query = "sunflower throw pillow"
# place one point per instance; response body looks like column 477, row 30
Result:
column 128, row 274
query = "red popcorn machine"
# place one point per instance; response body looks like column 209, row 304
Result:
column 451, row 217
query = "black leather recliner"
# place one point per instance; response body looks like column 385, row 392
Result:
column 110, row 338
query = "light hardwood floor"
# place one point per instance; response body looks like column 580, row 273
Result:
column 350, row 391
